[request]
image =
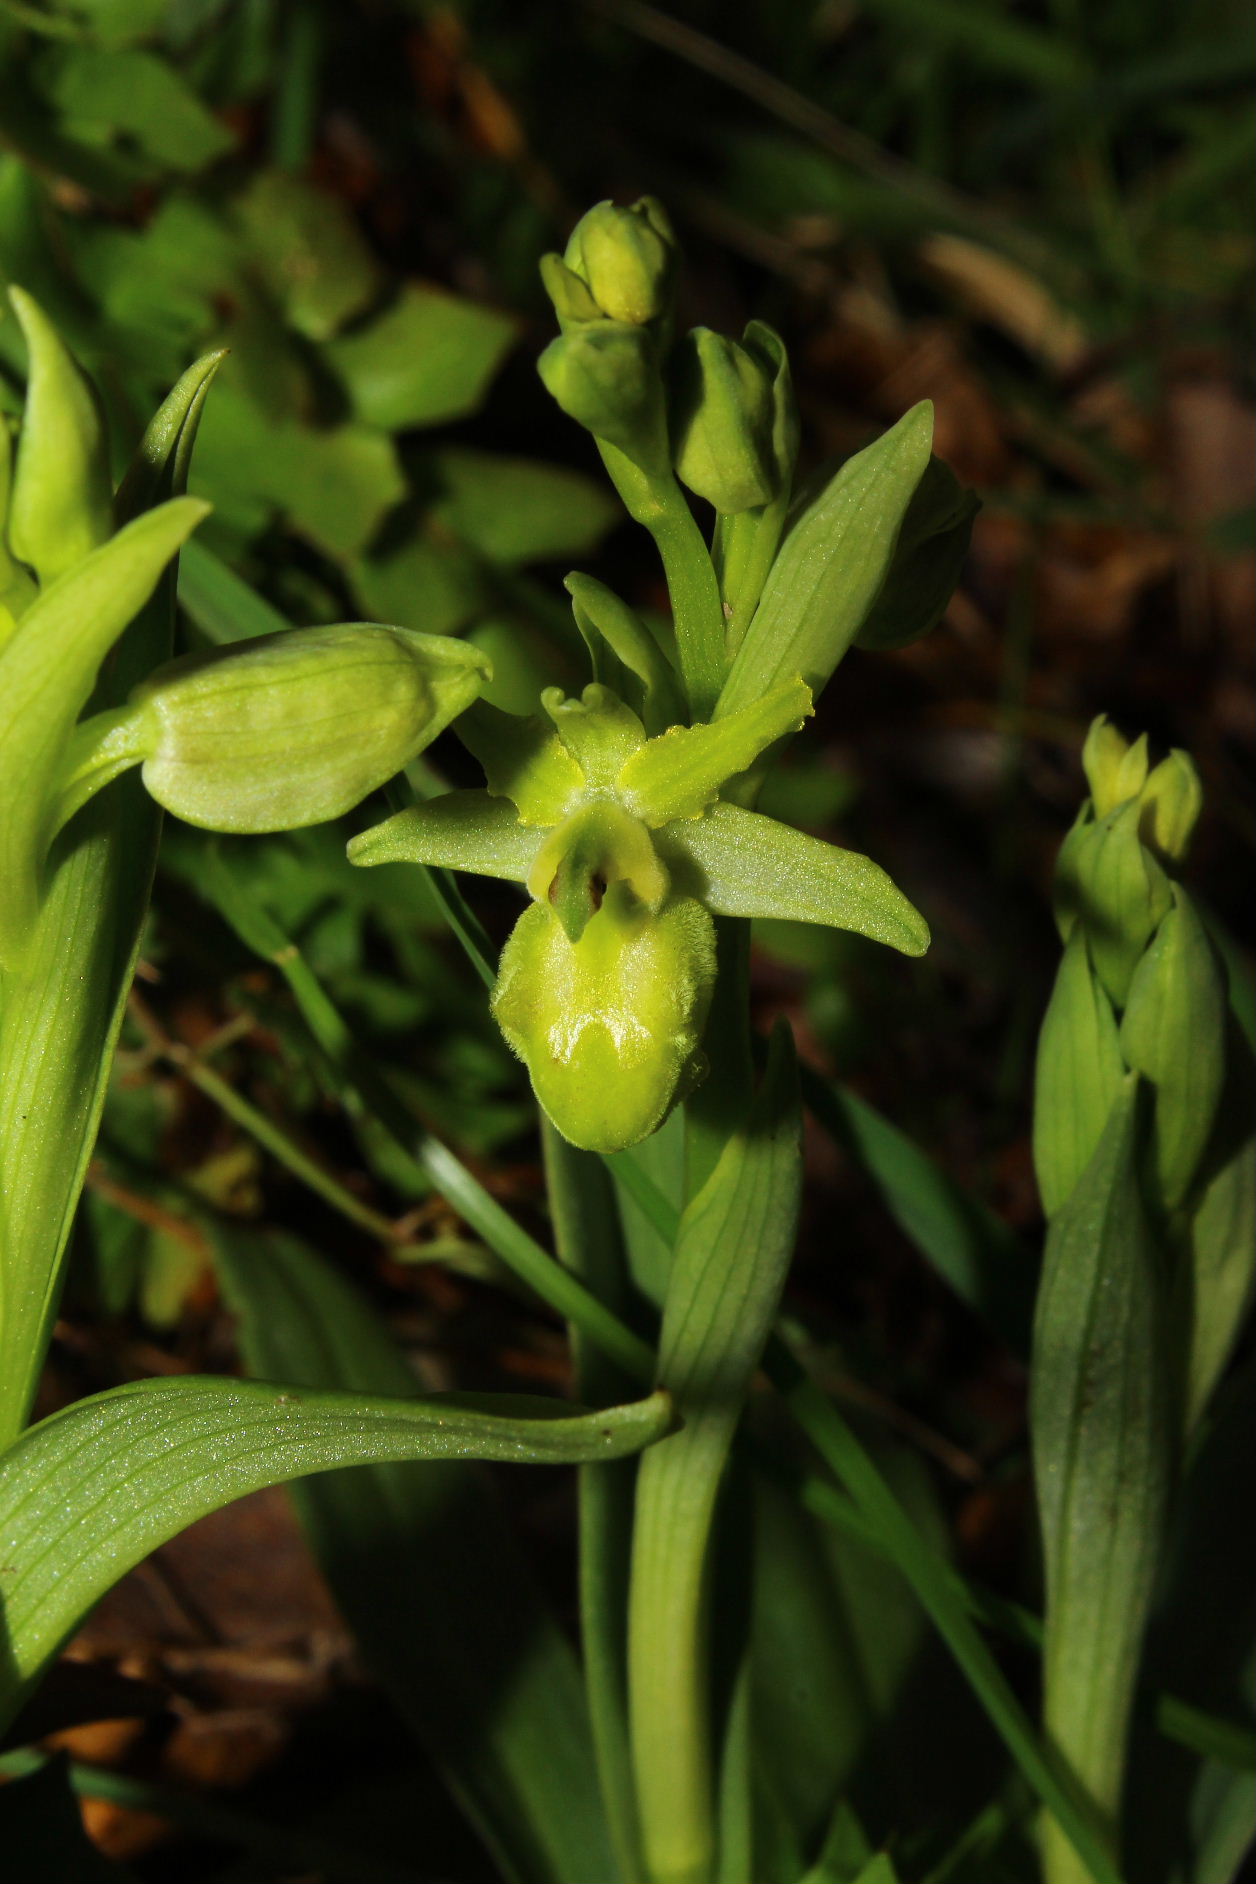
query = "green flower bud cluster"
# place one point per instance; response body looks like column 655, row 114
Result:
column 716, row 411
column 626, row 848
column 1141, row 991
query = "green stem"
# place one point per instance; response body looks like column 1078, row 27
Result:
column 659, row 504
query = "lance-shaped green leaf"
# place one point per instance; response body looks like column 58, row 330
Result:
column 602, row 616
column 732, row 1253
column 62, row 1011
column 679, row 774
column 294, row 728
column 743, row 864
column 181, row 1448
column 1173, row 1033
column 465, row 830
column 47, row 671
column 932, row 544
column 1103, row 1454
column 61, row 505
column 1078, row 1075
column 524, row 760
column 831, row 566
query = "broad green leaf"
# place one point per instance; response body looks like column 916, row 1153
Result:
column 466, row 830
column 308, row 251
column 1103, row 1450
column 679, row 774
column 733, row 1250
column 135, row 100
column 932, row 544
column 59, row 1018
column 744, row 864
column 1078, row 1075
column 61, row 505
column 518, row 510
column 426, row 359
column 47, row 671
column 335, row 484
column 831, row 565
column 168, row 1452
column 1173, row 1033
column 432, row 1581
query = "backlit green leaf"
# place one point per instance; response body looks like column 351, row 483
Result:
column 426, row 359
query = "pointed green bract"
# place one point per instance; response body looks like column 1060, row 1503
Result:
column 831, row 565
column 1079, row 1073
column 680, row 774
column 47, row 671
column 1173, row 1033
column 466, row 830
column 61, row 505
column 743, row 864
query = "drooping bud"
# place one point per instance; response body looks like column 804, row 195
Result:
column 605, row 376
column 294, row 728
column 609, row 1026
column 723, row 411
column 626, row 258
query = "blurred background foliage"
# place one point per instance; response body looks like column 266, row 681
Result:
column 1037, row 214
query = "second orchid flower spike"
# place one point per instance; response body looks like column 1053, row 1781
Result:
column 627, row 850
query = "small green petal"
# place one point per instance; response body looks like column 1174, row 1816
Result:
column 525, row 761
column 458, row 831
column 679, row 774
column 598, row 730
column 743, row 864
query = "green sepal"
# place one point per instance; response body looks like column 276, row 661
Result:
column 294, row 728
column 1078, row 1075
column 598, row 730
column 679, row 774
column 602, row 617
column 524, row 760
column 831, row 565
column 609, row 1026
column 1121, row 894
column 61, row 504
column 720, row 407
column 465, row 830
column 1173, row 1033
column 47, row 670
column 598, row 845
column 932, row 543
column 743, row 864
column 606, row 378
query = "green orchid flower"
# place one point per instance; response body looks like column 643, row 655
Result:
column 627, row 850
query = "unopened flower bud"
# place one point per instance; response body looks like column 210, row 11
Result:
column 1115, row 770
column 294, row 728
column 1171, row 802
column 722, row 422
column 606, row 378
column 626, row 258
column 609, row 1026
